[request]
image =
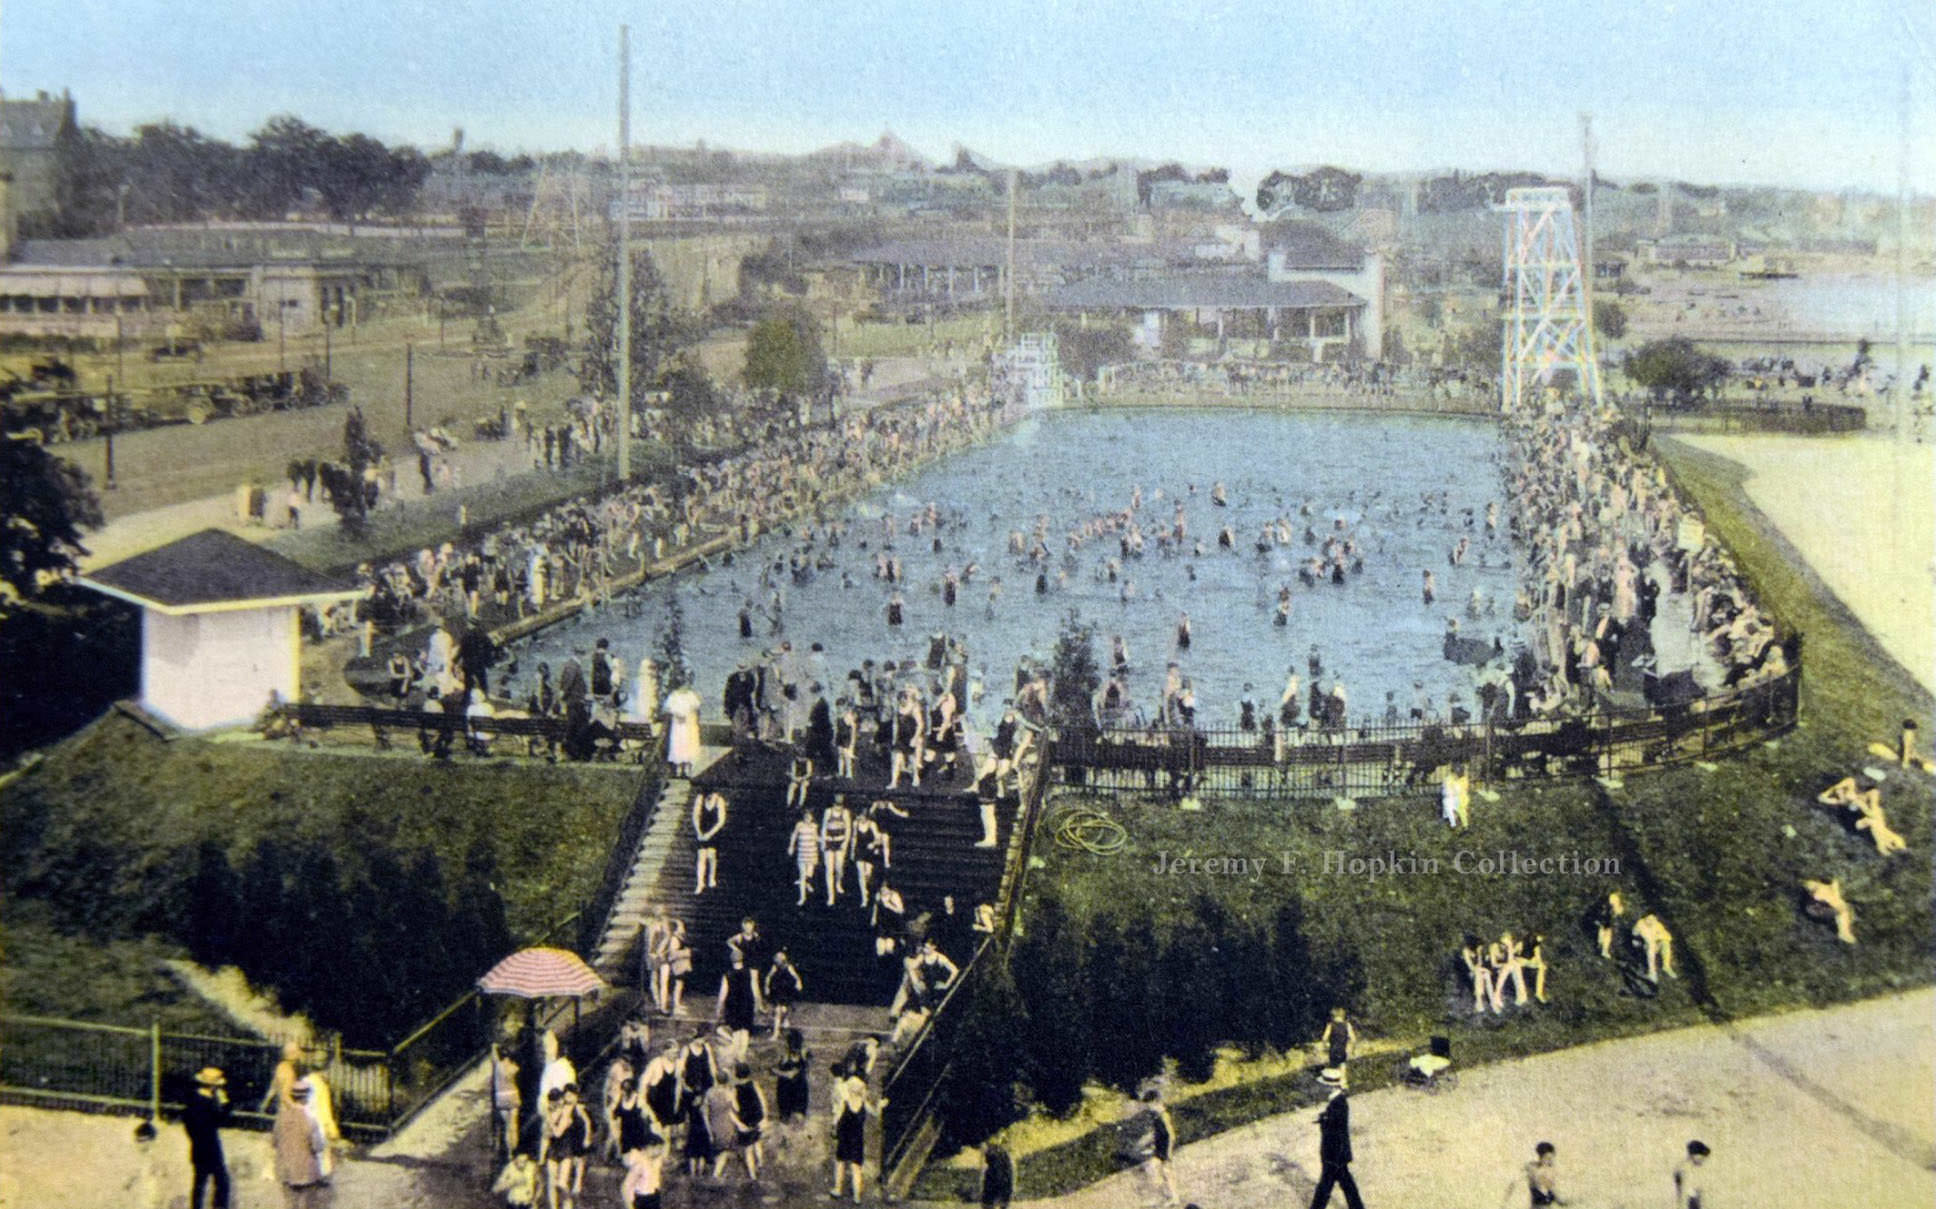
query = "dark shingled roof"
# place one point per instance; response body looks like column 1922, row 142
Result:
column 212, row 567
column 1188, row 291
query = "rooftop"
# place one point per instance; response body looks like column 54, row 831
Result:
column 210, row 571
column 1188, row 291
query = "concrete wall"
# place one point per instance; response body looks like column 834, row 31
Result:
column 218, row 669
column 700, row 271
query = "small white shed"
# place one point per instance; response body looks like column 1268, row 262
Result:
column 220, row 625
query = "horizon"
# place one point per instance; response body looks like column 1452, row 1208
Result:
column 1384, row 90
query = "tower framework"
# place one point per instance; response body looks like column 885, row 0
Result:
column 1547, row 327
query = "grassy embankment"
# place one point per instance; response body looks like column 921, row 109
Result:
column 100, row 843
column 1717, row 851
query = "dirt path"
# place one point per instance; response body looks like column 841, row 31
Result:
column 1816, row 1108
column 1862, row 511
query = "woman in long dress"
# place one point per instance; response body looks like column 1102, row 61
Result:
column 682, row 737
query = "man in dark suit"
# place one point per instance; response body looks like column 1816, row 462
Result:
column 1334, row 1144
column 203, row 1117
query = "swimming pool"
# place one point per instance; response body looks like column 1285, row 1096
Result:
column 1374, row 472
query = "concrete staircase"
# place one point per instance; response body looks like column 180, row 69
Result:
column 616, row 958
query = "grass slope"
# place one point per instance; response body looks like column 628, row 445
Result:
column 119, row 814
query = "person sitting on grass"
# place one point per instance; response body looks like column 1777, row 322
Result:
column 1825, row 902
column 1652, row 934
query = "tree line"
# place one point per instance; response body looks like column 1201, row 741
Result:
column 1111, row 1000
column 165, row 172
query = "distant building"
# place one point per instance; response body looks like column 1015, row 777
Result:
column 190, row 282
column 221, row 632
column 39, row 140
column 1694, row 251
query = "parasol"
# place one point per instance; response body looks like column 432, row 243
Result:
column 541, row 974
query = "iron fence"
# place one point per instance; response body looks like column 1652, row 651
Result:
column 1365, row 760
column 77, row 1064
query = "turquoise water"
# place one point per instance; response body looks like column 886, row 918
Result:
column 1374, row 631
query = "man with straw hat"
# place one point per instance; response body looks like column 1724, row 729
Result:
column 203, row 1117
column 1334, row 1145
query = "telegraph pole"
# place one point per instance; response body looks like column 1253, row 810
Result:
column 624, row 253
column 1008, row 296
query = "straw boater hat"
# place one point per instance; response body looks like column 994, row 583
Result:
column 211, row 1076
column 1331, row 1076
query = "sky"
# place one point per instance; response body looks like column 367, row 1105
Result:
column 1801, row 92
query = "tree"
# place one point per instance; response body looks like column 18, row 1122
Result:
column 1048, row 968
column 1118, row 973
column 674, row 672
column 978, row 1095
column 1675, row 368
column 1189, row 1032
column 214, row 907
column 783, row 354
column 1609, row 319
column 285, row 159
column 1074, row 676
column 1294, row 1020
column 45, row 502
column 659, row 333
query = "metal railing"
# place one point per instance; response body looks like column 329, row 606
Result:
column 76, row 1064
column 1366, row 760
column 913, row 1082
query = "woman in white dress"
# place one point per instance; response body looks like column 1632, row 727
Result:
column 682, row 737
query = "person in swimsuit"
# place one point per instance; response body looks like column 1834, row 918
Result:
column 803, row 845
column 567, row 1140
column 1542, row 1178
column 708, row 820
column 850, row 1106
column 791, row 1091
column 872, row 852
column 782, row 988
column 836, row 840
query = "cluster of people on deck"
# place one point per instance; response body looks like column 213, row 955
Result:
column 578, row 550
column 1240, row 378
column 1602, row 534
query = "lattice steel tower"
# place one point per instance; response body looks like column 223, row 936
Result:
column 1546, row 325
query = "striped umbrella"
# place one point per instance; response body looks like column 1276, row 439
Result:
column 541, row 974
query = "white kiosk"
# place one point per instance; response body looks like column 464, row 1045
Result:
column 220, row 625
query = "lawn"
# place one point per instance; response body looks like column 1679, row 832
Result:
column 1717, row 851
column 101, row 840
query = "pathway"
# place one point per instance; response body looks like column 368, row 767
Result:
column 1811, row 1108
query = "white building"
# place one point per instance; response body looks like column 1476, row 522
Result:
column 221, row 629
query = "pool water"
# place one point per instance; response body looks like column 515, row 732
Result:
column 1374, row 472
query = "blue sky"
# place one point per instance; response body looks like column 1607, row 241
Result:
column 1802, row 92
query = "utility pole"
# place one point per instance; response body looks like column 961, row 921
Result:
column 409, row 374
column 1586, row 241
column 107, row 431
column 624, row 253
column 1902, row 271
column 1008, row 294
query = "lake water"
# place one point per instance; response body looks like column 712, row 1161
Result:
column 1375, row 631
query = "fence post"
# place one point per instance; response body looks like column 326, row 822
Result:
column 154, row 1070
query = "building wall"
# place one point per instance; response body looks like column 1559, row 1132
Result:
column 1367, row 283
column 218, row 669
